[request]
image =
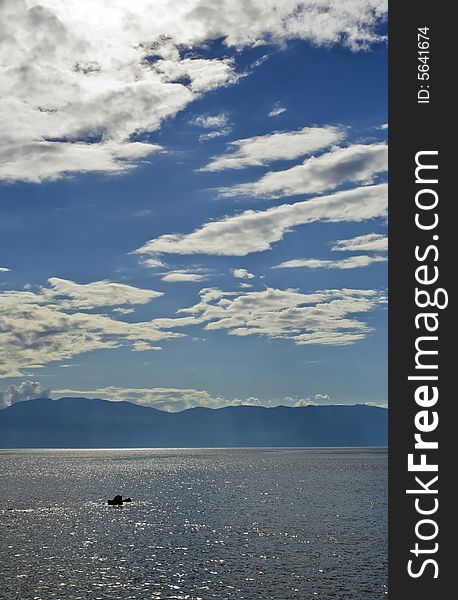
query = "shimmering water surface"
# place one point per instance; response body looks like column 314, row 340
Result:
column 229, row 524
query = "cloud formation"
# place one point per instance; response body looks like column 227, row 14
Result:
column 242, row 274
column 359, row 163
column 324, row 317
column 183, row 275
column 256, row 231
column 215, row 125
column 95, row 294
column 316, row 400
column 177, row 399
column 51, row 324
column 277, row 110
column 26, row 390
column 40, row 160
column 81, row 79
column 211, row 121
column 168, row 399
column 153, row 263
column 280, row 145
column 354, row 262
column 362, row 243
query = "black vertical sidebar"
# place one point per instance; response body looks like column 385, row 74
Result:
column 421, row 120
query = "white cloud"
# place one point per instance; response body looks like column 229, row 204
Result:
column 251, row 401
column 95, row 294
column 51, row 160
column 256, row 231
column 124, row 311
column 362, row 243
column 82, row 78
column 183, row 275
column 143, row 347
column 280, row 145
column 204, row 75
column 216, row 125
column 354, row 262
column 325, row 317
column 177, row 399
column 169, row 399
column 379, row 404
column 242, row 274
column 51, row 325
column 211, row 121
column 37, row 328
column 4, row 270
column 210, row 135
column 277, row 110
column 152, row 263
column 26, row 390
column 315, row 400
column 322, row 22
column 358, row 163
column 322, row 398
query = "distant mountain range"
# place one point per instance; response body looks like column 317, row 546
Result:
column 95, row 423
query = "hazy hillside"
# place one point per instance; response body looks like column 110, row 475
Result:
column 95, row 423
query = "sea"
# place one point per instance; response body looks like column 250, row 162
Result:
column 242, row 524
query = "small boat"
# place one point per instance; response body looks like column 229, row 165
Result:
column 118, row 501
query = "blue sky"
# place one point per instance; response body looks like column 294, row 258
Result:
column 220, row 127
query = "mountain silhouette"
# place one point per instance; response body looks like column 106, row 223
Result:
column 96, row 423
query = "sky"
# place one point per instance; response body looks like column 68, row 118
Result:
column 193, row 201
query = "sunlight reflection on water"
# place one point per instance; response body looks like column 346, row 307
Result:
column 242, row 524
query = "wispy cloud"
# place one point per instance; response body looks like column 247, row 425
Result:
column 359, row 163
column 256, row 231
column 123, row 311
column 215, row 125
column 211, row 121
column 144, row 212
column 36, row 161
column 279, row 145
column 362, row 243
column 354, row 262
column 4, row 270
column 168, row 399
column 177, row 399
column 277, row 110
column 161, row 398
column 315, row 400
column 95, row 294
column 184, row 275
column 153, row 263
column 216, row 133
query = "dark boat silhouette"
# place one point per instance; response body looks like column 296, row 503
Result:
column 118, row 501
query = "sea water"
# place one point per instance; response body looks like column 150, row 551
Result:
column 244, row 524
